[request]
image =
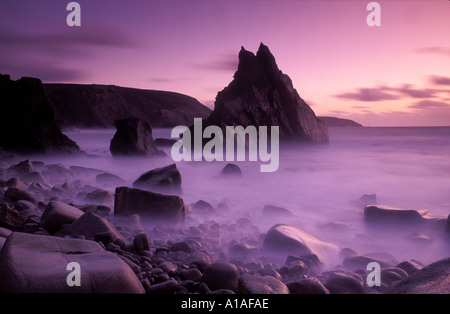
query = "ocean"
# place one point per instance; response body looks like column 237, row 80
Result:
column 406, row 167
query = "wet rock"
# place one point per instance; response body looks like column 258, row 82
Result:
column 345, row 283
column 37, row 264
column 104, row 237
column 254, row 284
column 276, row 211
column 133, row 138
column 222, row 276
column 58, row 173
column 57, row 214
column 141, row 242
column 16, row 183
column 191, row 274
column 242, row 249
column 391, row 215
column 148, row 204
column 270, row 271
column 109, row 179
column 34, row 177
column 168, row 286
column 390, row 275
column 291, row 240
column 10, row 218
column 161, row 180
column 22, row 205
column 22, row 168
column 15, row 194
column 164, row 142
column 202, row 207
column 168, row 267
column 360, row 262
column 410, row 267
column 231, row 170
column 88, row 225
column 309, row 285
column 181, row 246
column 100, row 197
column 432, row 279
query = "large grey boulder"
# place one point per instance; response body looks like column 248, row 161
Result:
column 161, row 180
column 133, row 138
column 148, row 204
column 291, row 240
column 38, row 264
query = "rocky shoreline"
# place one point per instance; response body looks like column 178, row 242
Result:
column 51, row 215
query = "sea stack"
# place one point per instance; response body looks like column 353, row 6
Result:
column 261, row 95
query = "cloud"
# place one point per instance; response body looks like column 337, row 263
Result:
column 369, row 94
column 407, row 90
column 224, row 62
column 435, row 50
column 440, row 80
column 428, row 104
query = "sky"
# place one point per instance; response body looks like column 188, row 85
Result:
column 395, row 74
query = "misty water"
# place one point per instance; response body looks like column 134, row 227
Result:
column 405, row 167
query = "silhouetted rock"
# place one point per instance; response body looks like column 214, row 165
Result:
column 345, row 283
column 165, row 142
column 57, row 214
column 333, row 122
column 261, row 95
column 165, row 179
column 27, row 120
column 97, row 106
column 133, row 138
column 38, row 264
column 308, row 285
column 148, row 204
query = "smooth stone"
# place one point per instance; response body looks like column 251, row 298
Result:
column 345, row 283
column 57, row 214
column 222, row 276
column 254, row 284
column 161, row 180
column 309, row 285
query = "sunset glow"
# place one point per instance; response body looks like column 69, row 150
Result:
column 397, row 74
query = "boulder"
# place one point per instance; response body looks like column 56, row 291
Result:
column 255, row 284
column 27, row 119
column 202, row 207
column 261, row 95
column 361, row 261
column 410, row 267
column 34, row 177
column 22, row 168
column 432, row 279
column 345, row 283
column 38, row 264
column 392, row 215
column 141, row 242
column 133, row 138
column 57, row 214
column 291, row 240
column 88, row 225
column 222, row 276
column 15, row 194
column 231, row 170
column 148, row 204
column 309, row 285
column 16, row 183
column 10, row 218
column 161, row 180
column 100, row 196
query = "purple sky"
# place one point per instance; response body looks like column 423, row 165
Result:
column 393, row 75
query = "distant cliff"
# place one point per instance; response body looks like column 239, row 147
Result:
column 332, row 122
column 98, row 106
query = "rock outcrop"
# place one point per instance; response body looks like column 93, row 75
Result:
column 98, row 106
column 333, row 122
column 161, row 180
column 261, row 95
column 27, row 119
column 133, row 138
